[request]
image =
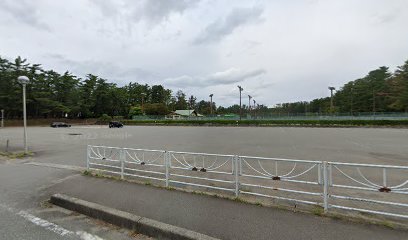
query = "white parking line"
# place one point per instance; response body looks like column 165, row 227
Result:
column 51, row 226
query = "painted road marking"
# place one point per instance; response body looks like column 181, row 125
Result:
column 51, row 226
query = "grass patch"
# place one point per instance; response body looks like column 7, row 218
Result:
column 318, row 211
column 16, row 155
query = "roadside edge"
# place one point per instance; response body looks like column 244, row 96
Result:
column 127, row 220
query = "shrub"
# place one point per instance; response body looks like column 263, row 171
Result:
column 105, row 118
column 312, row 123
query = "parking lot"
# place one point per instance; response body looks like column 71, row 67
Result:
column 385, row 146
column 361, row 145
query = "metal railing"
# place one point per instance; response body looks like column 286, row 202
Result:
column 366, row 188
column 289, row 116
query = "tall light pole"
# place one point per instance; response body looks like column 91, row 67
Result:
column 23, row 80
column 351, row 101
column 211, row 110
column 254, row 108
column 249, row 104
column 240, row 105
column 2, row 118
column 331, row 97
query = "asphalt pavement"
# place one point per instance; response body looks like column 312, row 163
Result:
column 24, row 187
column 26, row 215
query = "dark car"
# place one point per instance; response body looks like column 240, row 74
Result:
column 115, row 125
column 59, row 124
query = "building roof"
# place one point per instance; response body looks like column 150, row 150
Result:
column 187, row 113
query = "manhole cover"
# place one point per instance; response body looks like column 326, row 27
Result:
column 74, row 134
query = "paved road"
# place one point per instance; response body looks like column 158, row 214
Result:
column 25, row 215
column 23, row 187
column 364, row 145
column 220, row 218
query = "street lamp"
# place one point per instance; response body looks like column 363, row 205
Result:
column 23, row 80
column 240, row 108
column 331, row 97
column 211, row 110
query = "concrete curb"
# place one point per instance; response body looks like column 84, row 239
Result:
column 127, row 220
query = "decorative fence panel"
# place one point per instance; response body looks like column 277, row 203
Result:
column 366, row 188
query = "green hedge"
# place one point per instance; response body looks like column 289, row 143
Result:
column 271, row 122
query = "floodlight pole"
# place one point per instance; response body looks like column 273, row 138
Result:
column 331, row 97
column 24, row 81
column 240, row 104
column 255, row 108
column 249, row 104
column 211, row 109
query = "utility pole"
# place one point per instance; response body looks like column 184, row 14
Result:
column 331, row 97
column 211, row 105
column 240, row 105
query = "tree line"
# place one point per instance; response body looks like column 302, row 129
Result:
column 379, row 91
column 53, row 95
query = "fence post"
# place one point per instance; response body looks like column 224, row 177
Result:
column 236, row 172
column 88, row 152
column 240, row 166
column 122, row 163
column 167, row 164
column 325, row 187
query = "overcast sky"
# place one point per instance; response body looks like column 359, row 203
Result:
column 278, row 51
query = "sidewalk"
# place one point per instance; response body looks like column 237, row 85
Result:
column 215, row 217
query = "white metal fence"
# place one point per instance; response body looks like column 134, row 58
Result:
column 367, row 188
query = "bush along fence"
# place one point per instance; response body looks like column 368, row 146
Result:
column 294, row 122
column 366, row 188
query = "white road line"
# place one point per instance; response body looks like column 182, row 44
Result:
column 51, row 226
column 87, row 236
column 54, row 165
column 45, row 224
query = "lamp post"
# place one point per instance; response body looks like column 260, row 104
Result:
column 23, row 80
column 331, row 97
column 240, row 108
column 211, row 110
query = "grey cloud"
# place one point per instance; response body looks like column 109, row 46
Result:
column 230, row 76
column 223, row 27
column 152, row 12
column 107, row 70
column 24, row 11
column 107, row 7
column 158, row 11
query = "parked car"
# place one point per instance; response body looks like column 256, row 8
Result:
column 115, row 125
column 59, row 124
